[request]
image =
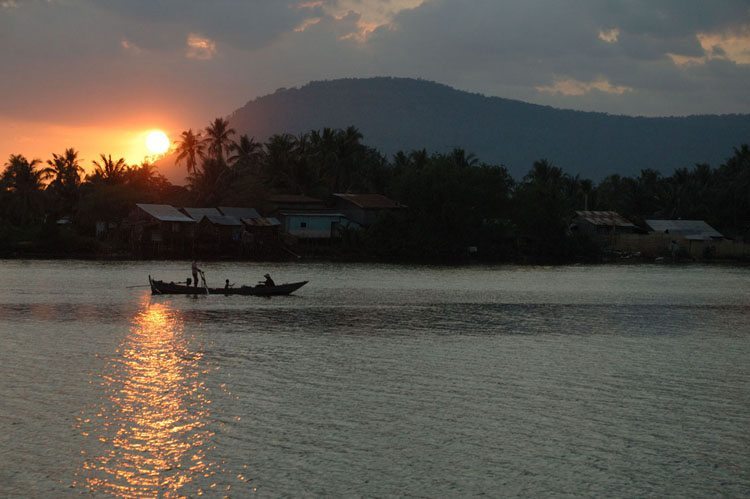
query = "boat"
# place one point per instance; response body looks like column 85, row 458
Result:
column 170, row 288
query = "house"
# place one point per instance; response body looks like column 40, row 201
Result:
column 364, row 209
column 159, row 229
column 239, row 212
column 692, row 230
column 602, row 223
column 219, row 234
column 313, row 225
column 198, row 213
column 261, row 235
column 293, row 202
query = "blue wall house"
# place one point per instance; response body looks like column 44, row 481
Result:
column 313, row 225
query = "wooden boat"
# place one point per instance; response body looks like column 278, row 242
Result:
column 170, row 288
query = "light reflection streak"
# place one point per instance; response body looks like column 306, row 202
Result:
column 153, row 426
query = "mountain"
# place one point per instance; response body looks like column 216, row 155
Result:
column 405, row 114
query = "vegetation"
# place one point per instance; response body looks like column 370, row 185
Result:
column 454, row 200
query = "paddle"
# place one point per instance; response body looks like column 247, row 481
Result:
column 203, row 278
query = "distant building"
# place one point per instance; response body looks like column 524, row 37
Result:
column 159, row 229
column 602, row 223
column 239, row 213
column 319, row 225
column 261, row 236
column 293, row 202
column 365, row 209
column 692, row 230
column 219, row 234
column 198, row 213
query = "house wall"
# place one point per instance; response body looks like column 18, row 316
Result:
column 310, row 227
column 658, row 244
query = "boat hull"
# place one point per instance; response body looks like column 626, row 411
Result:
column 168, row 288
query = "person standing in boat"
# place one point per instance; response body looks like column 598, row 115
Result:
column 269, row 281
column 195, row 270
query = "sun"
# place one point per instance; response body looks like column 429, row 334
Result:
column 157, row 142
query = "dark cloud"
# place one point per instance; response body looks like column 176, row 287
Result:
column 87, row 61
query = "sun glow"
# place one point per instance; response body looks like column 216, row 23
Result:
column 157, row 142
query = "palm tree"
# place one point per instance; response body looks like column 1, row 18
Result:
column 280, row 163
column 23, row 181
column 110, row 171
column 247, row 153
column 218, row 139
column 461, row 159
column 65, row 172
column 189, row 149
column 64, row 169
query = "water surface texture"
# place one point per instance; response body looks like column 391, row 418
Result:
column 376, row 380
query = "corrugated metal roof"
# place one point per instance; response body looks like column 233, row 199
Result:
column 690, row 229
column 164, row 212
column 223, row 220
column 261, row 221
column 239, row 212
column 311, row 214
column 370, row 201
column 198, row 213
column 294, row 198
column 605, row 218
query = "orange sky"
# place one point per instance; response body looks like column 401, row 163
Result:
column 96, row 76
column 40, row 140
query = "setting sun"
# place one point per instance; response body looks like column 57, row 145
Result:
column 157, row 142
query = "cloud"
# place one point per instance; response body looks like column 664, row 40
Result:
column 371, row 14
column 130, row 47
column 729, row 45
column 573, row 87
column 200, row 47
column 732, row 44
column 610, row 35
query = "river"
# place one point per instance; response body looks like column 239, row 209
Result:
column 376, row 380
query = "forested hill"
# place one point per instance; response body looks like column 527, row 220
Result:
column 404, row 114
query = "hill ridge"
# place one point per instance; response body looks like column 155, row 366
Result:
column 396, row 113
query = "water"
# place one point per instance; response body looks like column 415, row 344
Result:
column 376, row 381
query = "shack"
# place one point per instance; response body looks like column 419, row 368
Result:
column 692, row 230
column 240, row 213
column 219, row 235
column 365, row 209
column 198, row 213
column 293, row 202
column 602, row 223
column 159, row 230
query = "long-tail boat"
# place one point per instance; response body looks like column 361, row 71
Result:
column 171, row 288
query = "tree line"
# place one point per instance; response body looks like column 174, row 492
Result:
column 455, row 201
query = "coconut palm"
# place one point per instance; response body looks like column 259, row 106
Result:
column 190, row 149
column 64, row 170
column 246, row 153
column 23, row 182
column 108, row 170
column 218, row 139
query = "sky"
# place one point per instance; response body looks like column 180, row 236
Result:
column 97, row 75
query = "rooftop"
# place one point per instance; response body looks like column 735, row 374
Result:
column 164, row 212
column 239, row 212
column 223, row 220
column 690, row 229
column 370, row 201
column 198, row 213
column 605, row 218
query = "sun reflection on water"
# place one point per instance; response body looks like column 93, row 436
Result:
column 152, row 429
